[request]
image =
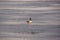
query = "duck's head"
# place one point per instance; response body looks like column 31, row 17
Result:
column 30, row 18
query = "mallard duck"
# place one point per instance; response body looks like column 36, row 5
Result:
column 29, row 21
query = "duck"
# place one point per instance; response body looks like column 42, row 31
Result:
column 29, row 21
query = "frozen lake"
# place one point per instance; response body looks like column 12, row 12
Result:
column 45, row 17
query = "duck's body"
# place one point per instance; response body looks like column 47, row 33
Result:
column 29, row 21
